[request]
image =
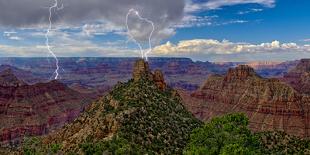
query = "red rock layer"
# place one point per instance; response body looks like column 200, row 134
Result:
column 269, row 103
column 31, row 110
column 299, row 77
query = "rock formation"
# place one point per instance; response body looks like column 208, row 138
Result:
column 299, row 77
column 141, row 70
column 242, row 72
column 32, row 110
column 269, row 103
column 159, row 80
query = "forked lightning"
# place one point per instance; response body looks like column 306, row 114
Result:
column 143, row 54
column 54, row 6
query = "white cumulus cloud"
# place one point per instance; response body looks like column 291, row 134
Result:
column 207, row 47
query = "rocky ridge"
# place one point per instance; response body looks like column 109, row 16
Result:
column 269, row 103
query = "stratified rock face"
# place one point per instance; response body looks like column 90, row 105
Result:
column 32, row 110
column 241, row 72
column 269, row 103
column 299, row 77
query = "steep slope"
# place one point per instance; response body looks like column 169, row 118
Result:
column 299, row 77
column 269, row 103
column 137, row 117
column 34, row 109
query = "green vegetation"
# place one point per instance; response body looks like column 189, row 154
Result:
column 229, row 135
column 224, row 135
column 34, row 146
column 115, row 146
column 282, row 143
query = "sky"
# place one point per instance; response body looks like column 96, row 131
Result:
column 205, row 30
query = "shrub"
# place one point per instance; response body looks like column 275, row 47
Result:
column 224, row 135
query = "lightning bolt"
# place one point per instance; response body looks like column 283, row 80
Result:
column 143, row 55
column 54, row 6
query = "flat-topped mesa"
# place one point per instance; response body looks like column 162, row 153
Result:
column 141, row 70
column 242, row 72
column 8, row 79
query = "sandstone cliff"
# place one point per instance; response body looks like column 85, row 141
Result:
column 269, row 103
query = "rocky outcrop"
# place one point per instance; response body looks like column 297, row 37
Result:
column 159, row 80
column 269, row 103
column 32, row 110
column 241, row 72
column 141, row 70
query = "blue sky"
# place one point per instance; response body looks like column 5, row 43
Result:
column 207, row 30
column 287, row 21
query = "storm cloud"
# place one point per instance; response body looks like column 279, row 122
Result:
column 24, row 13
column 34, row 13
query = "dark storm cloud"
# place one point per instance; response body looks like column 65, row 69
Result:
column 24, row 13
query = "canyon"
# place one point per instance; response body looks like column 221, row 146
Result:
column 37, row 109
column 98, row 75
column 273, row 95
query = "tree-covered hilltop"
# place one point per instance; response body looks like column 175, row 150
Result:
column 157, row 124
